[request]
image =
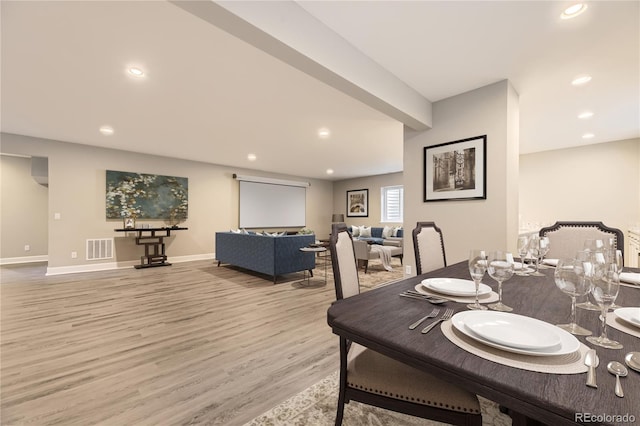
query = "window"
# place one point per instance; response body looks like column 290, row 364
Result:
column 392, row 203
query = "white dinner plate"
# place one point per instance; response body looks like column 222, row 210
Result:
column 568, row 342
column 515, row 331
column 630, row 315
column 455, row 286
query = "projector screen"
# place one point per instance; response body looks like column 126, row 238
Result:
column 266, row 205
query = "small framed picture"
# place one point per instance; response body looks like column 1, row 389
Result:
column 358, row 203
column 129, row 223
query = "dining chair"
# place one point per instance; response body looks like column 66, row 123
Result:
column 428, row 245
column 567, row 238
column 371, row 378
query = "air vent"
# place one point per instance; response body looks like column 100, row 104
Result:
column 100, row 249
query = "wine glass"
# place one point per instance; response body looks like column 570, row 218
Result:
column 500, row 268
column 477, row 268
column 523, row 249
column 536, row 249
column 545, row 245
column 569, row 279
column 614, row 256
column 605, row 284
column 588, row 259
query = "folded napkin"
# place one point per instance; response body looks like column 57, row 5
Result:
column 630, row 277
column 552, row 262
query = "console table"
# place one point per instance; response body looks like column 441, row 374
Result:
column 152, row 238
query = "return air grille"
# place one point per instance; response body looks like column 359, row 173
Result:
column 100, row 249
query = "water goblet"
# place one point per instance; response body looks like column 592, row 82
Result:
column 500, row 268
column 587, row 259
column 569, row 278
column 523, row 249
column 536, row 248
column 614, row 256
column 605, row 284
column 477, row 268
column 545, row 245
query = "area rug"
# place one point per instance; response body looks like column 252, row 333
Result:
column 316, row 406
column 375, row 276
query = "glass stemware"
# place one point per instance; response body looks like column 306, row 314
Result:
column 536, row 248
column 545, row 245
column 523, row 249
column 615, row 257
column 605, row 285
column 588, row 259
column 477, row 268
column 500, row 268
column 569, row 278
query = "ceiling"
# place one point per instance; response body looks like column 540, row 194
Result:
column 209, row 96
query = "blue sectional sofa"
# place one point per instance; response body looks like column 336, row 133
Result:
column 265, row 254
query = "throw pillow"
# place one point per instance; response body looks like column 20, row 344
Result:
column 236, row 231
column 365, row 231
column 355, row 231
column 395, row 231
column 387, row 232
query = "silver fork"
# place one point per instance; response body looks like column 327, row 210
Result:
column 447, row 316
column 433, row 314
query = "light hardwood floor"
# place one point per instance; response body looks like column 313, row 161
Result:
column 192, row 343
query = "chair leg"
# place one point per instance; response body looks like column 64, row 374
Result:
column 366, row 265
column 340, row 410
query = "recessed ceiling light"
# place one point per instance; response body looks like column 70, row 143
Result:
column 581, row 79
column 106, row 130
column 573, row 11
column 324, row 133
column 329, row 171
column 136, row 72
column 585, row 115
column 588, row 136
column 251, row 157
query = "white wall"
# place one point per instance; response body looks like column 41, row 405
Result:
column 23, row 216
column 490, row 223
column 598, row 182
column 77, row 175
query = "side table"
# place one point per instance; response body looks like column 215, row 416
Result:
column 316, row 250
column 157, row 257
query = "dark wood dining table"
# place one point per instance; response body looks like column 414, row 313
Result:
column 379, row 320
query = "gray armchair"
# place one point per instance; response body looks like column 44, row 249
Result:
column 364, row 253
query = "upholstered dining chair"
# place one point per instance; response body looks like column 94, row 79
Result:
column 567, row 238
column 428, row 246
column 374, row 379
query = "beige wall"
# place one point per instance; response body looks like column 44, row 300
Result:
column 77, row 191
column 374, row 184
column 490, row 223
column 590, row 183
column 23, row 212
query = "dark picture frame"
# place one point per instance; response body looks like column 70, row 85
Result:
column 129, row 223
column 456, row 170
column 358, row 203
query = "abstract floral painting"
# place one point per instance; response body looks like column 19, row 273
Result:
column 144, row 196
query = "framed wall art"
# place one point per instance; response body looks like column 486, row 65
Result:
column 358, row 203
column 456, row 170
column 144, row 196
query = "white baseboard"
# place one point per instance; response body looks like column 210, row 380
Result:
column 25, row 259
column 94, row 267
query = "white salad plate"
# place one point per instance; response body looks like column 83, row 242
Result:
column 630, row 315
column 515, row 331
column 568, row 343
column 455, row 286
